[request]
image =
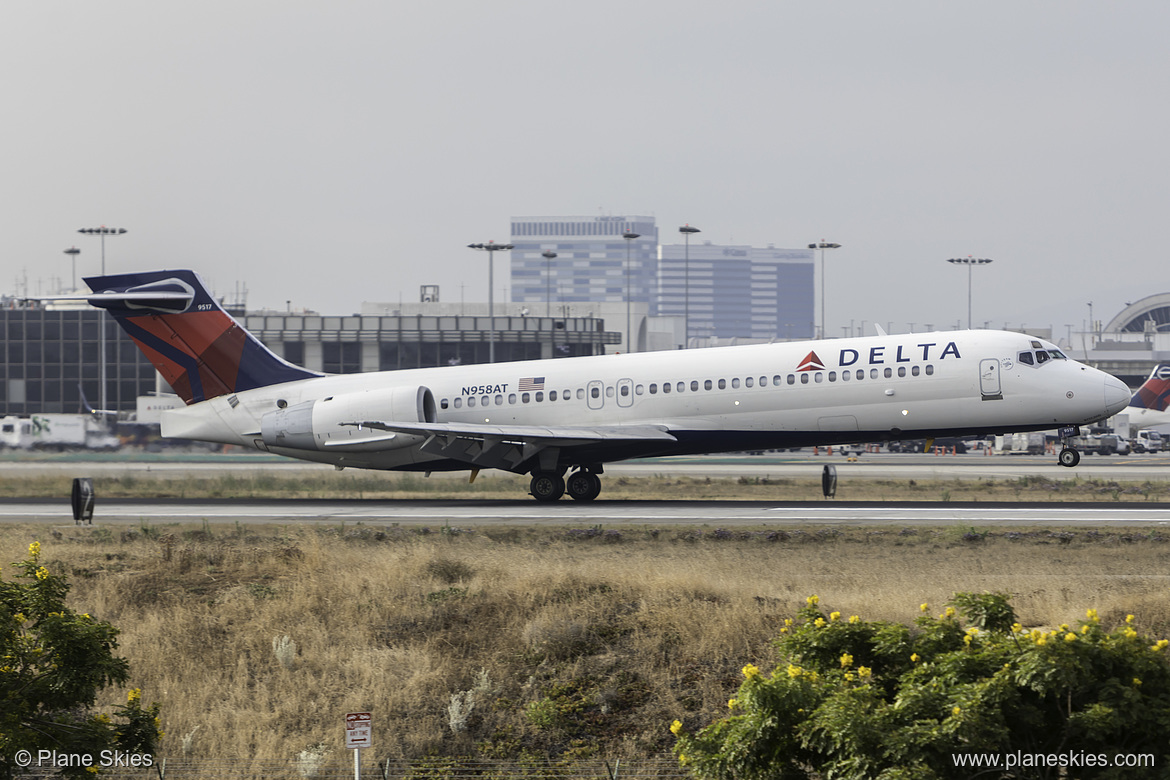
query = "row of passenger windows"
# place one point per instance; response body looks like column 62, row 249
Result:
column 817, row 377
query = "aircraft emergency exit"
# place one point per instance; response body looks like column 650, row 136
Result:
column 549, row 418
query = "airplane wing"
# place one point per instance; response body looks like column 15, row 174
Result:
column 508, row 446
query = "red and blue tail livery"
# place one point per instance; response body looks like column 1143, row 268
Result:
column 199, row 349
column 1154, row 394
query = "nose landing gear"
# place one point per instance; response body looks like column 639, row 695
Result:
column 1068, row 456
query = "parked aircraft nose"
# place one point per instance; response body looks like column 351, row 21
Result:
column 1117, row 395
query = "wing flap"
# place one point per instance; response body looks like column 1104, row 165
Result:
column 513, row 447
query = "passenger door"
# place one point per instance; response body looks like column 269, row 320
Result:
column 595, row 394
column 989, row 386
column 625, row 392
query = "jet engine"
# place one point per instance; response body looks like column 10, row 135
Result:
column 321, row 424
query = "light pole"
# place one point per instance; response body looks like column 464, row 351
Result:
column 823, row 245
column 102, row 231
column 491, row 248
column 73, row 252
column 548, row 258
column 687, row 230
column 969, row 262
column 629, row 236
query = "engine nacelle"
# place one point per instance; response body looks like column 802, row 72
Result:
column 317, row 425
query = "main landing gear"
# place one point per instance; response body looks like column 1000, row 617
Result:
column 582, row 485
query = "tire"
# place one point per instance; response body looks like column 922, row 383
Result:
column 547, row 486
column 1069, row 457
column 583, row 486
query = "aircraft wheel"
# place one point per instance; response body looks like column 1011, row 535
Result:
column 546, row 486
column 1069, row 457
column 583, row 486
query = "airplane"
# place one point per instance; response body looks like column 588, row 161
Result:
column 553, row 417
column 1150, row 405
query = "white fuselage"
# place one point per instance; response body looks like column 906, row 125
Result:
column 720, row 399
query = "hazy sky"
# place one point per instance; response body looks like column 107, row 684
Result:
column 329, row 153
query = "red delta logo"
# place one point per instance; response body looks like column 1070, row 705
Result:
column 811, row 363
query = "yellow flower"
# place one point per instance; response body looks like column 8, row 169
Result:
column 950, row 612
column 794, row 671
column 957, row 711
column 846, row 660
column 813, row 600
column 134, row 695
column 1041, row 640
column 42, row 573
column 924, row 606
column 731, row 703
column 676, row 727
column 1129, row 618
column 788, row 621
column 1070, row 637
column 750, row 671
column 834, row 616
column 34, row 549
column 1129, row 633
column 1136, row 681
column 864, row 672
column 967, row 639
column 1086, row 628
column 819, row 622
column 1092, row 615
column 1017, row 628
column 914, row 657
column 1160, row 644
column 854, row 619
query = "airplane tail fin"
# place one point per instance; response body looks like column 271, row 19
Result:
column 198, row 347
column 1155, row 392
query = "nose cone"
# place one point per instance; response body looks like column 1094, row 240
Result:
column 1117, row 395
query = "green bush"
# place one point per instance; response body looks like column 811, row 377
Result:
column 858, row 699
column 53, row 664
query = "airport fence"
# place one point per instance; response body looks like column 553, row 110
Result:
column 336, row 767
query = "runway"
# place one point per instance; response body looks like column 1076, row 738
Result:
column 521, row 510
column 470, row 513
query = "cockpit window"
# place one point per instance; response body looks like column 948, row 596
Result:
column 1057, row 354
column 1026, row 358
column 1041, row 357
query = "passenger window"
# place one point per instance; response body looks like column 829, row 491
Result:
column 846, row 376
column 640, row 390
column 861, row 373
column 832, row 376
column 471, row 402
column 722, row 384
column 609, row 392
column 776, row 380
column 552, row 395
column 818, row 377
column 625, row 391
column 681, row 386
column 930, row 370
column 511, row 398
column 804, row 379
column 539, row 397
column 873, row 373
column 666, row 387
column 581, row 394
column 499, row 400
column 889, row 372
column 791, row 379
column 442, row 405
column 695, row 385
column 901, row 370
column 734, row 384
column 525, row 397
column 595, row 392
column 1025, row 358
column 458, row 403
column 707, row 385
column 1041, row 357
column 748, row 382
column 915, row 370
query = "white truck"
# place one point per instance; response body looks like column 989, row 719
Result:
column 56, row 432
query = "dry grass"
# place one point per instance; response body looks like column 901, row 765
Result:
column 563, row 642
column 244, row 483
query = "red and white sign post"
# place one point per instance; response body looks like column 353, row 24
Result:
column 358, row 736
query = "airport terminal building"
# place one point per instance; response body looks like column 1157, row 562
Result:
column 49, row 356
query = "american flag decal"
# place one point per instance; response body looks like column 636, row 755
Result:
column 531, row 383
